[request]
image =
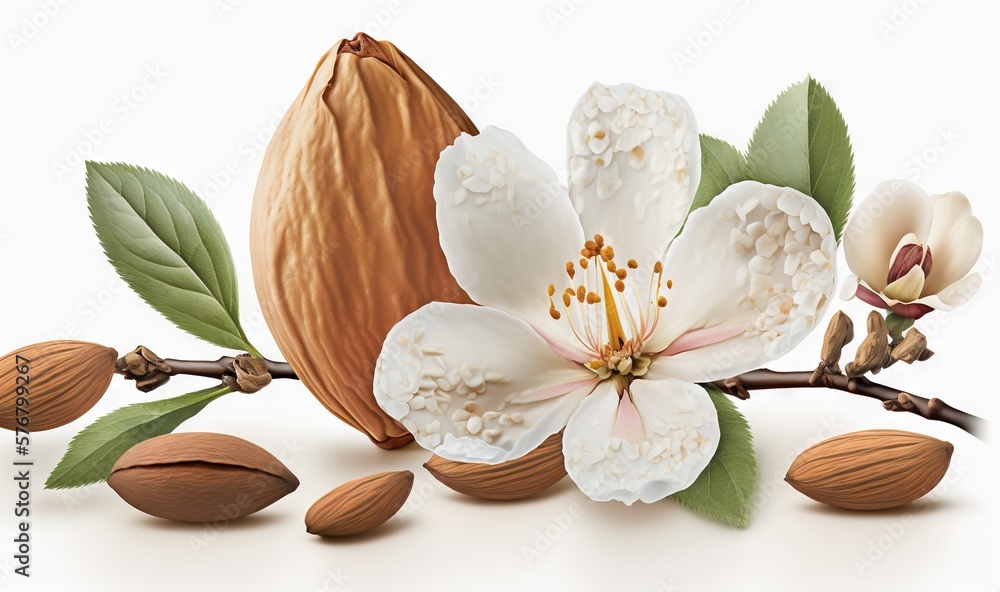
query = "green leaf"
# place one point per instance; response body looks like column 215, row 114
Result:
column 721, row 166
column 724, row 488
column 802, row 143
column 94, row 451
column 164, row 242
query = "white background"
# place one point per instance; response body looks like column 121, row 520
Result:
column 914, row 81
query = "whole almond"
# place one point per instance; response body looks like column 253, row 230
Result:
column 343, row 236
column 61, row 380
column 515, row 479
column 871, row 470
column 360, row 505
column 200, row 477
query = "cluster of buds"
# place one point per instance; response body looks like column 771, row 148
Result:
column 876, row 351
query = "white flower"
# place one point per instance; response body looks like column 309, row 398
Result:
column 588, row 321
column 912, row 253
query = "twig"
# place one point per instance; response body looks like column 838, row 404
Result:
column 892, row 399
column 224, row 367
column 150, row 371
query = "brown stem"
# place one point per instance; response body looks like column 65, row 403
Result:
column 223, row 367
column 150, row 371
column 892, row 399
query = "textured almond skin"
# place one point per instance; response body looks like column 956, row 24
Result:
column 360, row 505
column 67, row 378
column 871, row 470
column 200, row 477
column 522, row 477
column 343, row 235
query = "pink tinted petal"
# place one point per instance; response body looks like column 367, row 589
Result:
column 702, row 337
column 628, row 425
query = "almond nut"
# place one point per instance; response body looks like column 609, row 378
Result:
column 200, row 477
column 360, row 505
column 871, row 469
column 61, row 381
column 343, row 236
column 515, row 479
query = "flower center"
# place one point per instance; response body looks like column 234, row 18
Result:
column 610, row 314
column 908, row 257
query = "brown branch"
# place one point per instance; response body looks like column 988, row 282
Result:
column 892, row 399
column 149, row 371
column 241, row 373
column 224, row 367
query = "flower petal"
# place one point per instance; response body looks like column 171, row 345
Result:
column 634, row 165
column 956, row 241
column 507, row 229
column 475, row 384
column 906, row 288
column 756, row 267
column 954, row 295
column 677, row 438
column 894, row 209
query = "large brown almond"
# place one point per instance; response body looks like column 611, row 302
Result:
column 515, row 479
column 343, row 236
column 200, row 477
column 871, row 470
column 360, row 505
column 57, row 382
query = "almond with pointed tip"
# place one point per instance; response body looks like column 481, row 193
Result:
column 63, row 380
column 343, row 235
column 200, row 477
column 871, row 469
column 515, row 479
column 360, row 505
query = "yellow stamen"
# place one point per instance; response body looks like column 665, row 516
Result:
column 670, row 284
column 593, row 298
column 581, row 293
column 570, row 271
column 612, row 267
column 583, row 263
column 621, row 273
column 552, row 289
column 619, row 285
column 616, row 334
column 633, row 264
column 661, row 301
